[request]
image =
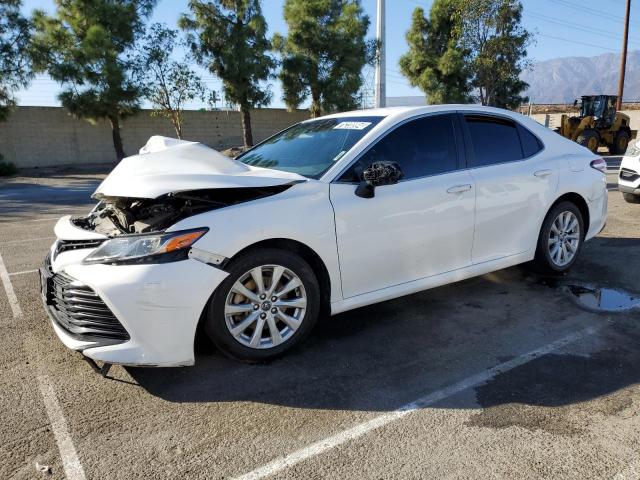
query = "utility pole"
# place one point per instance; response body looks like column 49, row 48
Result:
column 623, row 60
column 381, row 64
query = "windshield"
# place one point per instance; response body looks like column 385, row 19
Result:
column 593, row 106
column 310, row 148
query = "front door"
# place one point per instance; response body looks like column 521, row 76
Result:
column 419, row 227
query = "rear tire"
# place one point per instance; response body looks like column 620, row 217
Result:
column 267, row 320
column 589, row 139
column 620, row 143
column 560, row 240
column 631, row 198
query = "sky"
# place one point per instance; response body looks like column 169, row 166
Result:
column 562, row 28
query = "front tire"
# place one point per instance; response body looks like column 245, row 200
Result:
column 268, row 304
column 589, row 139
column 560, row 240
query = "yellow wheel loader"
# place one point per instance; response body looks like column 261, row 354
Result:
column 599, row 124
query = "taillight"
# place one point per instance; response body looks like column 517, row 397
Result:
column 599, row 164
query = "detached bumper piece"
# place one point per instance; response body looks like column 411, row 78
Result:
column 78, row 309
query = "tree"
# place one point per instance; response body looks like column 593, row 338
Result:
column 15, row 67
column 229, row 38
column 436, row 62
column 87, row 47
column 324, row 53
column 166, row 83
column 491, row 30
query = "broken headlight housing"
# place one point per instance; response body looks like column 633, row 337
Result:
column 148, row 248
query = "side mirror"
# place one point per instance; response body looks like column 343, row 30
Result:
column 378, row 174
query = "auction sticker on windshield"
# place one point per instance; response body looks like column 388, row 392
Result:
column 352, row 125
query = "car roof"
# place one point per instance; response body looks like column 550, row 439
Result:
column 398, row 113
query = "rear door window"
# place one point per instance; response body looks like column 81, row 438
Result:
column 494, row 140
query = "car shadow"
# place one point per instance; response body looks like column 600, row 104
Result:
column 25, row 198
column 380, row 357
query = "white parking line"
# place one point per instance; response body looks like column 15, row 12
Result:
column 8, row 287
column 72, row 467
column 358, row 431
column 70, row 462
column 22, row 272
column 11, row 242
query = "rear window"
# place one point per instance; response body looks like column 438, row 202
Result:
column 495, row 140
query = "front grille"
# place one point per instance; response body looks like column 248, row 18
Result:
column 79, row 310
column 66, row 245
column 628, row 175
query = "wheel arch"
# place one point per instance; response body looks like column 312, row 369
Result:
column 289, row 245
column 304, row 251
column 579, row 201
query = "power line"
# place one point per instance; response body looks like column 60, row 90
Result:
column 576, row 42
column 576, row 26
column 591, row 11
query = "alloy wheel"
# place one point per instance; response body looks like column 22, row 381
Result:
column 265, row 306
column 564, row 238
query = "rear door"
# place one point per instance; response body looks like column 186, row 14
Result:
column 419, row 227
column 515, row 183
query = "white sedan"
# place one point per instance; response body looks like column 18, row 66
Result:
column 329, row 215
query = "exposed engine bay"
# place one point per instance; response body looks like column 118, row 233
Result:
column 115, row 216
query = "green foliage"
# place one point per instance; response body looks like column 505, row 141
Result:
column 15, row 67
column 324, row 53
column 491, row 30
column 87, row 46
column 166, row 83
column 436, row 62
column 7, row 168
column 228, row 37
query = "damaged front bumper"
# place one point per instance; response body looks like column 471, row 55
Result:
column 138, row 315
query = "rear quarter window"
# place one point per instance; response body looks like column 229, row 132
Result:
column 530, row 143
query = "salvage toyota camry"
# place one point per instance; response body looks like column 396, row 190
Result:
column 329, row 215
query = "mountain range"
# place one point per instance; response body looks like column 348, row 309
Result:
column 562, row 80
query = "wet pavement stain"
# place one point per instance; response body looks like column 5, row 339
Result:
column 602, row 299
column 559, row 394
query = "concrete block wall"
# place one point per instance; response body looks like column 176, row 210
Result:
column 49, row 136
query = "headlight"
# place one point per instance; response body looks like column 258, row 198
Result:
column 154, row 248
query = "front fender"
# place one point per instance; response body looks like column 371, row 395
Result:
column 302, row 213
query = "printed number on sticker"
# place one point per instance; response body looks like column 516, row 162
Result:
column 352, row 125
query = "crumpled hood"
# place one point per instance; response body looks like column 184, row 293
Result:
column 166, row 165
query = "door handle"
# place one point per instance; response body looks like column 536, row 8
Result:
column 459, row 188
column 542, row 173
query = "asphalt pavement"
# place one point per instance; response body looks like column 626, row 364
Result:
column 500, row 376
